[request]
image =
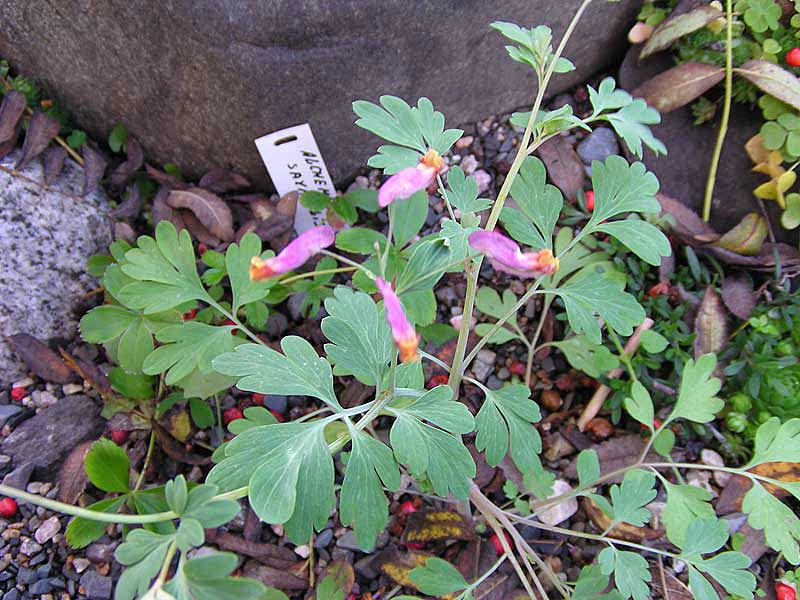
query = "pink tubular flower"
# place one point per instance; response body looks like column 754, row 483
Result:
column 412, row 179
column 298, row 251
column 405, row 337
column 506, row 255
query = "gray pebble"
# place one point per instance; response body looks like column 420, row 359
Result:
column 598, row 145
column 276, row 403
column 97, row 587
column 12, row 594
column 324, row 538
column 7, row 411
column 26, row 576
column 42, row 586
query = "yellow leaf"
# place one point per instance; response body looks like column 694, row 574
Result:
column 179, row 426
column 747, row 237
column 755, row 149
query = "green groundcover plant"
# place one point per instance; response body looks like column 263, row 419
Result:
column 286, row 470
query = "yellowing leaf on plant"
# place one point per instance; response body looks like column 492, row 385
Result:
column 179, row 426
column 747, row 237
column 437, row 525
column 771, row 163
column 756, row 151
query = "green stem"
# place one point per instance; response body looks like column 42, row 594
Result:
column 454, row 381
column 150, row 447
column 315, row 273
column 443, row 193
column 162, row 575
column 726, row 112
column 623, row 356
column 532, row 349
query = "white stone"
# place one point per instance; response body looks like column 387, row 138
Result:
column 561, row 511
column 47, row 530
column 713, row 459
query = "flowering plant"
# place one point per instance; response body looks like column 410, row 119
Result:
column 286, row 470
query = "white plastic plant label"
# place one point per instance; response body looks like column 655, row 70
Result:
column 294, row 163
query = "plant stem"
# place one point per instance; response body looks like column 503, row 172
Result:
column 726, row 112
column 294, row 278
column 162, row 575
column 548, row 300
column 454, row 380
column 150, row 447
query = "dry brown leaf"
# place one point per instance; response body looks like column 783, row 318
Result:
column 756, row 151
column 53, row 163
column 222, row 181
column 620, row 531
column 282, row 579
column 90, row 373
column 676, row 589
column 134, row 161
column 678, row 86
column 166, row 179
column 342, row 573
column 747, row 237
column 130, row 207
column 94, row 165
column 11, row 112
column 675, row 27
column 563, row 166
column 687, row 224
column 175, row 450
column 738, row 295
column 72, row 478
column 163, row 212
column 197, row 229
column 42, row 128
column 436, row 525
column 209, row 209
column 397, row 565
column 39, row 358
column 710, row 325
column 730, row 500
column 269, row 554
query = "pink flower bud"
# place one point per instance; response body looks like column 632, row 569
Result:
column 298, row 251
column 405, row 337
column 412, row 179
column 506, row 255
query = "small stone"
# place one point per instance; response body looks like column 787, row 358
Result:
column 713, row 459
column 302, row 551
column 465, row 142
column 276, row 403
column 469, row 164
column 71, row 388
column 80, row 564
column 47, row 530
column 558, row 447
column 43, row 399
column 483, row 179
column 24, row 382
column 7, row 411
column 324, row 538
column 348, row 541
column 28, row 547
column 100, row 553
column 26, row 576
column 19, row 477
column 97, row 587
column 12, row 594
column 42, row 586
column 561, row 511
column 551, row 400
column 598, row 145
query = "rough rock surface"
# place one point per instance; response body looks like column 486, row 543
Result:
column 45, row 439
column 46, row 236
column 197, row 81
column 683, row 172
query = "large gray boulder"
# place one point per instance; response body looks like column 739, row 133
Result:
column 46, row 237
column 196, row 81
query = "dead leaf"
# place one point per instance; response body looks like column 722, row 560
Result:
column 436, row 525
column 676, row 589
column 747, row 237
column 134, row 161
column 163, row 178
column 247, row 198
column 563, row 165
column 39, row 358
column 620, row 531
column 342, row 573
column 180, row 426
column 11, row 112
column 617, row 453
column 710, row 325
column 397, row 565
column 730, row 500
column 756, row 151
column 677, row 26
column 175, row 450
column 94, row 165
column 130, row 207
column 277, row 578
column 678, row 86
column 686, row 223
column 42, row 128
column 72, row 478
column 197, row 229
column 738, row 295
column 209, row 209
column 90, row 373
column 163, row 212
column 773, row 79
column 53, row 163
column 270, row 554
column 222, row 181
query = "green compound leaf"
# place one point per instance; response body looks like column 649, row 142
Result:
column 592, row 584
column 540, row 202
column 437, row 577
column 631, row 575
column 393, row 159
column 427, row 262
column 643, row 239
column 363, row 503
column 143, row 552
column 82, row 532
column 164, row 271
column 776, row 442
column 599, row 294
column 361, row 340
column 696, row 399
column 588, row 465
column 299, row 371
column 593, row 359
column 108, row 467
column 631, row 119
column 488, row 301
column 621, row 188
column 629, row 499
column 439, row 453
column 779, row 522
column 237, row 263
column 505, row 419
column 761, row 15
column 290, row 473
column 462, row 192
column 685, row 503
column 208, row 578
column 640, row 405
column 127, row 334
column 191, row 346
column 704, row 536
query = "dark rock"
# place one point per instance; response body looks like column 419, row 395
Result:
column 196, row 82
column 97, row 587
column 684, row 171
column 43, row 586
column 100, row 553
column 19, row 477
column 12, row 594
column 45, row 439
column 598, row 145
column 6, row 411
column 276, row 403
column 323, row 538
column 26, row 576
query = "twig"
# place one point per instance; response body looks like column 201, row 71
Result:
column 602, row 391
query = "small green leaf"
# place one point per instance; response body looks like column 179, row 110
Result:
column 117, row 138
column 779, row 522
column 237, row 264
column 642, row 238
column 640, row 405
column 588, row 467
column 462, row 192
column 696, row 399
column 776, row 442
column 437, row 577
column 201, row 413
column 131, row 385
column 409, row 217
column 539, row 201
column 314, row 201
column 108, row 467
column 629, row 499
column 360, row 240
column 593, row 359
column 592, row 584
column 81, row 532
column 143, row 553
column 176, row 493
column 653, row 342
column 427, row 263
column 631, row 574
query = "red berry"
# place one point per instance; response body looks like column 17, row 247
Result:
column 8, row 507
column 188, row 316
column 119, row 436
column 415, row 545
column 498, row 545
column 517, row 368
column 784, row 591
column 440, row 379
column 277, row 415
column 659, row 289
column 18, row 393
column 201, row 248
column 352, row 597
column 793, row 57
column 656, row 423
column 406, row 508
column 258, row 399
column 590, row 200
column 232, row 414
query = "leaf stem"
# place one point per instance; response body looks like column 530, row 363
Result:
column 150, row 447
column 294, row 278
column 726, row 112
